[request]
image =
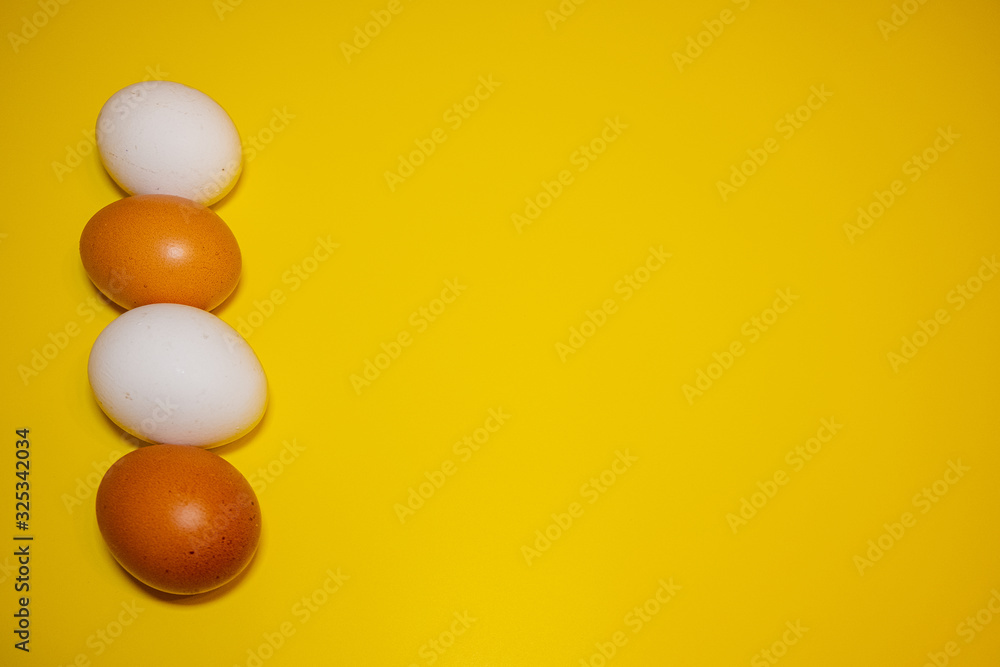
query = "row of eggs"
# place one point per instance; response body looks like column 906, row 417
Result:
column 175, row 515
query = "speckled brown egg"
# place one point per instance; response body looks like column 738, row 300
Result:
column 180, row 519
column 161, row 249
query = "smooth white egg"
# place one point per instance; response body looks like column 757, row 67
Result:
column 162, row 137
column 174, row 374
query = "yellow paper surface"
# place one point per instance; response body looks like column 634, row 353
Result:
column 625, row 333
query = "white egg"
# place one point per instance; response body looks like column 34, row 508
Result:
column 174, row 374
column 162, row 137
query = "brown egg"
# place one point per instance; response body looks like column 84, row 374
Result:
column 161, row 249
column 180, row 519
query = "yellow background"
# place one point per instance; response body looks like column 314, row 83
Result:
column 331, row 504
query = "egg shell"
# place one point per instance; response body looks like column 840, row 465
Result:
column 161, row 249
column 180, row 519
column 163, row 137
column 174, row 374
